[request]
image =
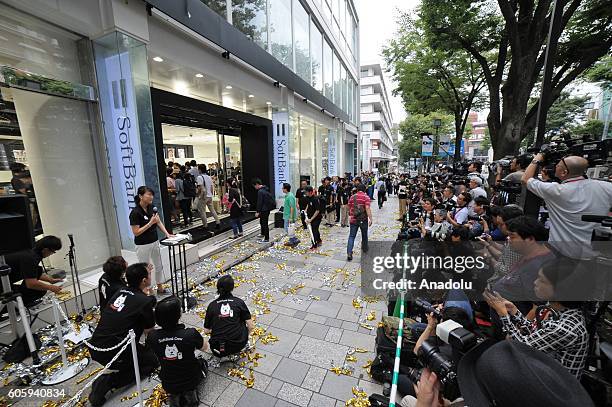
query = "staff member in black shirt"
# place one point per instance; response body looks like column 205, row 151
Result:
column 25, row 266
column 402, row 195
column 181, row 372
column 130, row 308
column 228, row 321
column 302, row 200
column 145, row 221
column 314, row 211
column 112, row 280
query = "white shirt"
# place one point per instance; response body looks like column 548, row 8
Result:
column 566, row 203
column 204, row 180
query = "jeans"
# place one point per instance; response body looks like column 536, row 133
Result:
column 353, row 233
column 236, row 226
column 263, row 223
column 186, row 209
column 381, row 199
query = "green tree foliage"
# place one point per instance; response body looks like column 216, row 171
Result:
column 508, row 40
column 592, row 128
column 416, row 124
column 430, row 80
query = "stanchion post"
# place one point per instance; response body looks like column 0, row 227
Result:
column 136, row 367
column 60, row 336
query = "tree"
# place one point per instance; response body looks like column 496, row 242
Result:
column 508, row 39
column 592, row 128
column 430, row 80
column 416, row 124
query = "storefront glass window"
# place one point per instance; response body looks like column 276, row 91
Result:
column 323, row 164
column 337, row 82
column 343, row 86
column 328, row 79
column 350, row 99
column 294, row 150
column 327, row 10
column 249, row 16
column 280, row 31
column 316, row 55
column 218, row 6
column 301, row 27
column 308, row 151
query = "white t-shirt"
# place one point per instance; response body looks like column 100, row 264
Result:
column 204, row 180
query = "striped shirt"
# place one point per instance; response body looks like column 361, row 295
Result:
column 363, row 200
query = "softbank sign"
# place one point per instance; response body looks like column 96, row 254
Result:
column 280, row 141
column 122, row 140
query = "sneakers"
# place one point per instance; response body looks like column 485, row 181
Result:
column 349, row 257
column 218, row 226
column 234, row 237
column 240, row 234
column 263, row 241
column 99, row 388
column 260, row 236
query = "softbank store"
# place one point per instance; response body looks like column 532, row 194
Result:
column 93, row 105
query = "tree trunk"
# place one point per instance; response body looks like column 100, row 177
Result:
column 458, row 136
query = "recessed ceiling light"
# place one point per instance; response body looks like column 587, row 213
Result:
column 251, row 96
column 158, row 59
column 228, row 87
column 199, row 75
column 268, row 103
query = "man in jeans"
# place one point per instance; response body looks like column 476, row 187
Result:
column 290, row 213
column 360, row 218
column 265, row 203
column 205, row 196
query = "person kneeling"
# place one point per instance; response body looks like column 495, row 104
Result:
column 130, row 308
column 228, row 321
column 181, row 372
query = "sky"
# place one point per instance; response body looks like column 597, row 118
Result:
column 377, row 26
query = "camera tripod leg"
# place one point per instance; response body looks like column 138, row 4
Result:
column 10, row 306
column 28, row 332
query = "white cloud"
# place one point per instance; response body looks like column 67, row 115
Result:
column 377, row 25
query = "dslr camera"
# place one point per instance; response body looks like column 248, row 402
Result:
column 445, row 368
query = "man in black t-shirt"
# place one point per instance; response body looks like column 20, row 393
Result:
column 302, row 200
column 130, row 308
column 314, row 215
column 25, row 265
column 402, row 195
column 181, row 372
column 326, row 193
column 112, row 280
column 228, row 321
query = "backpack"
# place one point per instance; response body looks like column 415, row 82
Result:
column 382, row 188
column 359, row 212
column 189, row 186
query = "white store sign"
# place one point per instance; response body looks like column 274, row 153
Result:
column 280, row 143
column 332, row 147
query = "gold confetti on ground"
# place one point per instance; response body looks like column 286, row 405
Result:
column 360, row 399
column 88, row 375
column 371, row 316
column 366, row 326
column 351, row 358
column 131, row 396
column 158, row 397
column 357, row 304
column 340, row 371
column 63, row 296
column 281, row 266
column 372, row 299
column 361, row 350
column 294, row 289
column 269, row 338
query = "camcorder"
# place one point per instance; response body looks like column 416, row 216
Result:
column 509, row 187
column 479, row 218
column 504, row 163
column 562, row 145
column 445, row 367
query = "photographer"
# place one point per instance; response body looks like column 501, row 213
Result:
column 568, row 201
column 460, row 215
column 448, row 196
column 475, row 170
column 478, row 222
column 426, row 220
column 501, row 257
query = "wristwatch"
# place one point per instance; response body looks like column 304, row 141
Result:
column 536, row 162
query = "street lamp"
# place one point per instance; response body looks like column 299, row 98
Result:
column 437, row 124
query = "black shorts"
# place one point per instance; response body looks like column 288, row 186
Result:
column 222, row 348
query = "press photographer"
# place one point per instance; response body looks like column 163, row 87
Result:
column 459, row 216
column 568, row 200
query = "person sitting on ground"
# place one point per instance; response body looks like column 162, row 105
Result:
column 228, row 321
column 112, row 280
column 131, row 308
column 181, row 372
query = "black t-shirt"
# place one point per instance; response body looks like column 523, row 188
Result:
column 342, row 194
column 139, row 217
column 127, row 309
column 326, row 192
column 180, row 370
column 107, row 287
column 302, row 198
column 24, row 264
column 315, row 204
column 225, row 316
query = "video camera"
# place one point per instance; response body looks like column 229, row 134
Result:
column 504, row 163
column 562, row 145
column 509, row 187
column 429, row 355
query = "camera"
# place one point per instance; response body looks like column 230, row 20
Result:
column 479, row 218
column 429, row 355
column 504, row 163
column 427, row 307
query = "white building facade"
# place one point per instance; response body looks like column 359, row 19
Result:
column 376, row 120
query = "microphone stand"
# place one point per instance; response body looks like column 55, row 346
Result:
column 74, row 273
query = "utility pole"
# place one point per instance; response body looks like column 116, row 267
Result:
column 437, row 124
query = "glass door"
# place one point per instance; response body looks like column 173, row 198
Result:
column 231, row 160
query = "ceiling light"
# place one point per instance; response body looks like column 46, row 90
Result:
column 251, row 96
column 268, row 103
column 199, row 75
column 158, row 59
column 228, row 87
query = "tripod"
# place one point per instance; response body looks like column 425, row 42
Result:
column 74, row 273
column 8, row 298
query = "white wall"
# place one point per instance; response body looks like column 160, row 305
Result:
column 57, row 138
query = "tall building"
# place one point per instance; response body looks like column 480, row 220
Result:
column 252, row 89
column 376, row 120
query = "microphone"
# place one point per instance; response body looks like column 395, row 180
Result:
column 70, row 237
column 155, row 210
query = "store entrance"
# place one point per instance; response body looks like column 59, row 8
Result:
column 220, row 154
column 231, row 146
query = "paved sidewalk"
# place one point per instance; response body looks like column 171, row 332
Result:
column 307, row 302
